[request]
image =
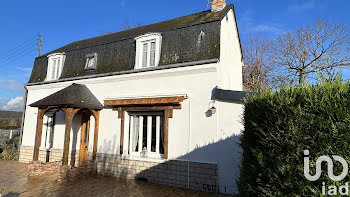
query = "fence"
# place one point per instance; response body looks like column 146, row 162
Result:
column 6, row 132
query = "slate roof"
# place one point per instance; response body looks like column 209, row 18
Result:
column 75, row 95
column 116, row 52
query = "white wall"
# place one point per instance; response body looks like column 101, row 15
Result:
column 230, row 120
column 230, row 126
column 197, row 82
column 230, row 69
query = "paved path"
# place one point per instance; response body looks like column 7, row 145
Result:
column 13, row 178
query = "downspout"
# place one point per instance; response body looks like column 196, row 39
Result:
column 219, row 138
column 189, row 142
column 23, row 117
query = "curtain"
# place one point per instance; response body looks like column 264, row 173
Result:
column 135, row 133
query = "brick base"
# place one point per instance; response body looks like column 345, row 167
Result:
column 63, row 173
column 193, row 175
column 67, row 174
column 36, row 168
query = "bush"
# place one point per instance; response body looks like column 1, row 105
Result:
column 280, row 125
column 9, row 153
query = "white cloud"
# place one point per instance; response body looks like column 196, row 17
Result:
column 15, row 104
column 305, row 5
column 11, row 85
column 24, row 69
column 266, row 28
column 247, row 25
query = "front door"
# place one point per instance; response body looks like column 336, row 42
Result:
column 84, row 137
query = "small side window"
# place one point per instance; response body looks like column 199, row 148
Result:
column 91, row 61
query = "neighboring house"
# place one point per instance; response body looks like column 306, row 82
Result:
column 161, row 102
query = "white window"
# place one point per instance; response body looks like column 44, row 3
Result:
column 91, row 61
column 146, row 137
column 148, row 49
column 47, row 132
column 55, row 66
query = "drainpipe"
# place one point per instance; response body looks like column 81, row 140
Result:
column 189, row 142
column 23, row 117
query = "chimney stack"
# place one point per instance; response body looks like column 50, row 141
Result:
column 217, row 5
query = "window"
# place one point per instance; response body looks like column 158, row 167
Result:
column 148, row 49
column 55, row 66
column 47, row 133
column 146, row 137
column 91, row 61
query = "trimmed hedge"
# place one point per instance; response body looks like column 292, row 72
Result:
column 280, row 125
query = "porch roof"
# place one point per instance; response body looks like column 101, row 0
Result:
column 75, row 95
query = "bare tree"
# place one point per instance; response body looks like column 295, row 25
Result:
column 256, row 70
column 314, row 48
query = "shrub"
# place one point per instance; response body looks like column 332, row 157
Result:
column 280, row 125
column 9, row 153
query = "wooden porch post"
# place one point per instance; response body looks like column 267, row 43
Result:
column 167, row 114
column 39, row 128
column 69, row 114
column 121, row 115
column 97, row 122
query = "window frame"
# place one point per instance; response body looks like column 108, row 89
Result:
column 149, row 154
column 57, row 72
column 94, row 65
column 47, row 132
column 148, row 39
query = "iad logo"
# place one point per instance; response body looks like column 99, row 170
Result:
column 330, row 167
column 332, row 190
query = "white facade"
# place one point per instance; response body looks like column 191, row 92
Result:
column 194, row 134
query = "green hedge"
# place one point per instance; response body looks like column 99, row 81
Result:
column 280, row 125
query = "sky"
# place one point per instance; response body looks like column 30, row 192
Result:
column 66, row 21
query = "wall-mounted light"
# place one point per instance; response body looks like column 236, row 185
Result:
column 212, row 107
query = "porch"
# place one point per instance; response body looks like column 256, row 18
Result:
column 72, row 101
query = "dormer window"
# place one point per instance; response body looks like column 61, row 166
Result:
column 148, row 49
column 91, row 61
column 55, row 66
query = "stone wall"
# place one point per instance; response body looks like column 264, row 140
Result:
column 193, row 175
column 26, row 155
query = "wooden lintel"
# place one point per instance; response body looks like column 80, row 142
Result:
column 144, row 101
column 147, row 108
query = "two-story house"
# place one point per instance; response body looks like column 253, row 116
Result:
column 161, row 102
